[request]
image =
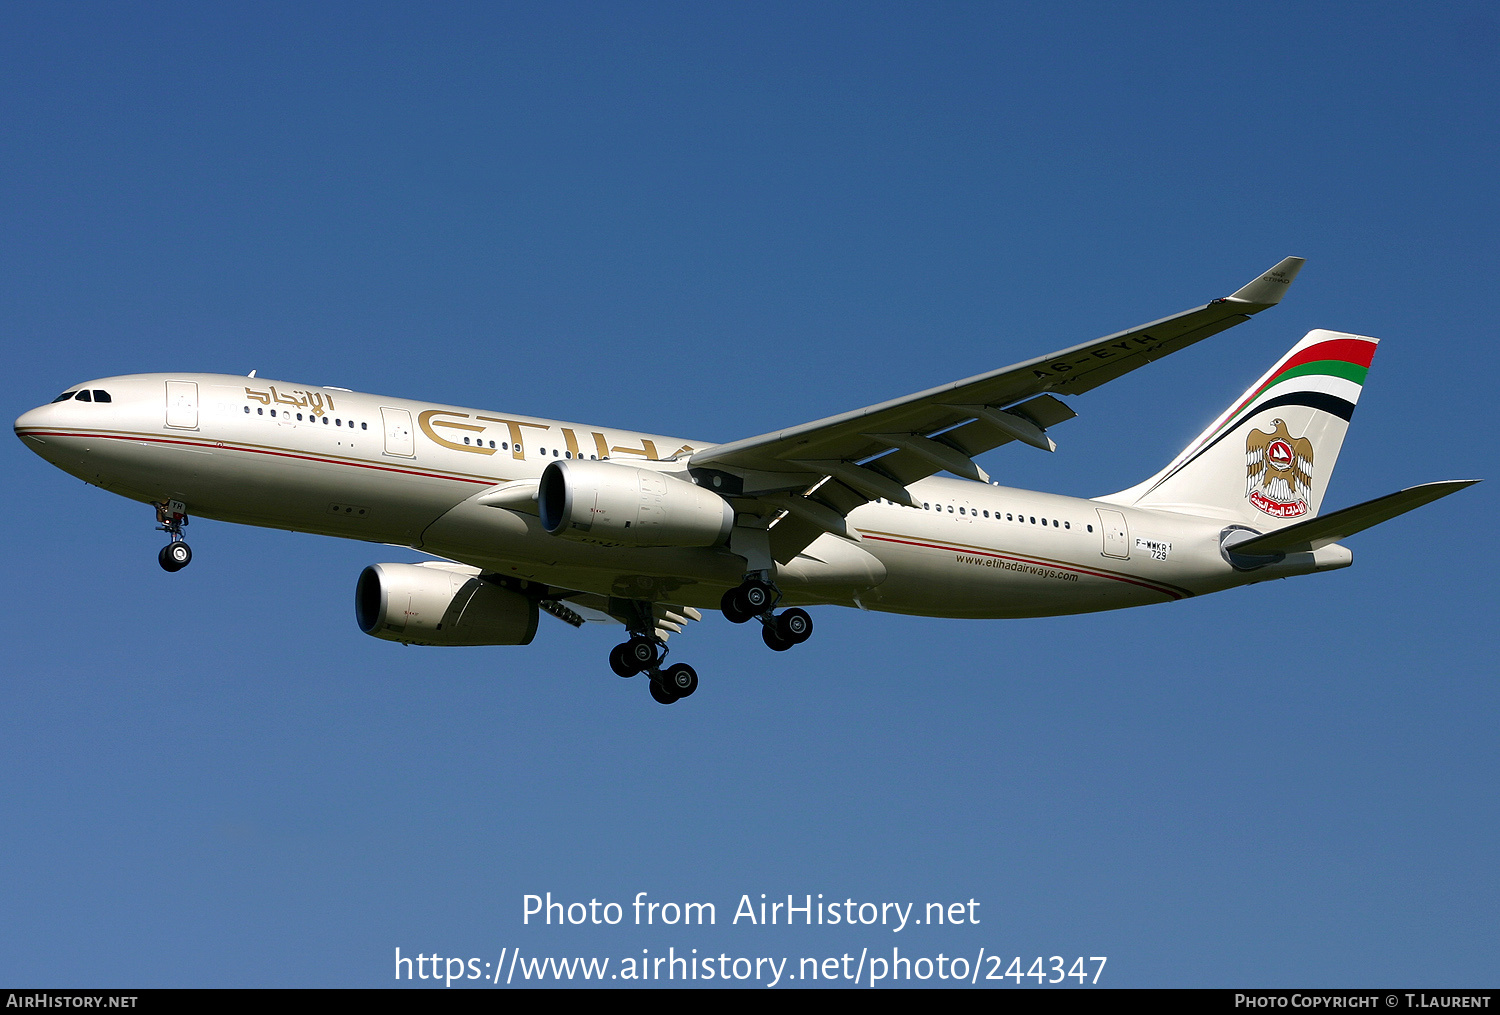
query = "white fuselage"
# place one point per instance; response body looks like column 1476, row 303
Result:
column 392, row 470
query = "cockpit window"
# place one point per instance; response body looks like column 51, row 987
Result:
column 64, row 397
column 84, row 396
column 102, row 396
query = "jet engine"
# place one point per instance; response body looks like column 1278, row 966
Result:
column 437, row 605
column 619, row 505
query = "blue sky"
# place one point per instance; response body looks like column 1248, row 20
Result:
column 711, row 221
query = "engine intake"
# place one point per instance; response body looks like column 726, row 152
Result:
column 436, row 605
column 619, row 505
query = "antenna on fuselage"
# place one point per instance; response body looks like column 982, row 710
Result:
column 250, row 374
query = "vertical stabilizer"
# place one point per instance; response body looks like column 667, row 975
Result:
column 1267, row 460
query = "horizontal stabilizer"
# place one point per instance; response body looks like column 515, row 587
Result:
column 1316, row 533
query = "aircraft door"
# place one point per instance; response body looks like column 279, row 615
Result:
column 182, row 404
column 1116, row 534
column 398, row 438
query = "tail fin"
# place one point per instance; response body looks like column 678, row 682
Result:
column 1267, row 460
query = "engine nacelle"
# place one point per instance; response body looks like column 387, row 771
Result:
column 419, row 605
column 619, row 505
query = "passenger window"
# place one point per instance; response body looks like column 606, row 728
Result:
column 366, row 426
column 247, row 411
column 84, row 396
column 1091, row 528
column 273, row 412
column 102, row 396
column 69, row 394
column 986, row 514
column 961, row 511
column 325, row 420
column 260, row 412
column 1067, row 525
column 926, row 506
column 299, row 417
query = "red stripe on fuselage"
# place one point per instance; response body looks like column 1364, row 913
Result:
column 223, row 446
column 1080, row 569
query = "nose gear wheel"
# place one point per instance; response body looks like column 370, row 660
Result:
column 171, row 516
column 175, row 556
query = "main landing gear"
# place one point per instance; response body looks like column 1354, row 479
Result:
column 756, row 599
column 171, row 516
column 644, row 653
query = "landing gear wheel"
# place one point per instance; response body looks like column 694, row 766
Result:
column 733, row 606
column 680, row 680
column 661, row 694
column 794, row 626
column 641, row 653
column 620, row 661
column 773, row 640
column 175, row 556
column 757, row 596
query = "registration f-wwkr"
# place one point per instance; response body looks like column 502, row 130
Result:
column 590, row 523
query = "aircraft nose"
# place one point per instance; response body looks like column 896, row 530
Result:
column 31, row 425
column 32, row 420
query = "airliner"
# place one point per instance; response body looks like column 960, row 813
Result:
column 524, row 516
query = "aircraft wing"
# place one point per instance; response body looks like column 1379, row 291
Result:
column 875, row 452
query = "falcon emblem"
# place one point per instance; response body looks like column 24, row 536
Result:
column 1278, row 471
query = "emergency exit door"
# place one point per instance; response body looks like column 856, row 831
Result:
column 182, row 404
column 1116, row 534
column 398, row 438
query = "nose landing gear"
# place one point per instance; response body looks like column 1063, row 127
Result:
column 171, row 516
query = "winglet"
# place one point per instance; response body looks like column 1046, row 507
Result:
column 1270, row 287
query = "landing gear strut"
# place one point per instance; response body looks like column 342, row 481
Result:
column 756, row 598
column 644, row 653
column 171, row 516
